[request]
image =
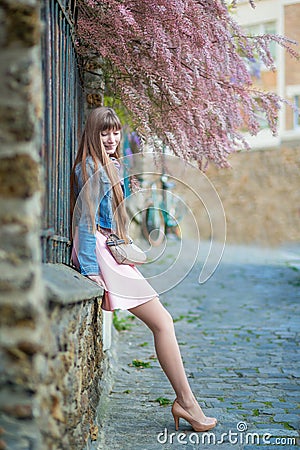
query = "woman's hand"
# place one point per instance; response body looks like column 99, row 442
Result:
column 99, row 280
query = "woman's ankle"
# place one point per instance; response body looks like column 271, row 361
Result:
column 187, row 401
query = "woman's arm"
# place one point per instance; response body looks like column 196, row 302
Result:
column 87, row 209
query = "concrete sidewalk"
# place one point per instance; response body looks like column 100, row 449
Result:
column 239, row 338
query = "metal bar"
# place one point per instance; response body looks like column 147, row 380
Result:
column 50, row 234
column 55, row 99
column 47, row 232
column 63, row 117
column 66, row 14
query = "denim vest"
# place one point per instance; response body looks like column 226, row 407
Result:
column 100, row 195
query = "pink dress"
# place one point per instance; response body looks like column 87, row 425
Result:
column 126, row 287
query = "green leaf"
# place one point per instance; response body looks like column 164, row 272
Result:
column 121, row 324
column 163, row 401
column 141, row 364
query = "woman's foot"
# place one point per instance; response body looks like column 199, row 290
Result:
column 193, row 414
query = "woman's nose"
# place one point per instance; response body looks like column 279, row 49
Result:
column 111, row 138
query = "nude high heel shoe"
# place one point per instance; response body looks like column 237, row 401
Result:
column 180, row 413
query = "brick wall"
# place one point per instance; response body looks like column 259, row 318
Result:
column 292, row 31
column 292, row 66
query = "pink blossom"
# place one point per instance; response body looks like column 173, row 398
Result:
column 180, row 69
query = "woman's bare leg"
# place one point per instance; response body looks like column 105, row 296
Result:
column 160, row 322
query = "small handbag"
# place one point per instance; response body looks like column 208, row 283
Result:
column 125, row 253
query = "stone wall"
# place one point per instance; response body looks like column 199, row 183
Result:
column 260, row 195
column 51, row 325
column 22, row 298
column 70, row 387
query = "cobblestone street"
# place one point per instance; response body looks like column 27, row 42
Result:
column 238, row 335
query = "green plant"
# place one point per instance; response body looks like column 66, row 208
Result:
column 269, row 404
column 163, row 401
column 287, row 426
column 140, row 364
column 181, row 317
column 121, row 323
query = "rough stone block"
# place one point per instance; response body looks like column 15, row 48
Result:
column 65, row 285
column 19, row 176
column 16, row 279
column 24, row 315
column 71, row 369
column 22, row 23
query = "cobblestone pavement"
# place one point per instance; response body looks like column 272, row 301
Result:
column 238, row 335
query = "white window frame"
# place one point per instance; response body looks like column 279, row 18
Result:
column 296, row 124
column 261, row 30
column 293, row 93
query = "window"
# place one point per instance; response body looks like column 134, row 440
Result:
column 261, row 117
column 297, row 112
column 255, row 66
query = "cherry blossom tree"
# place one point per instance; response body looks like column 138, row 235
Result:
column 180, row 69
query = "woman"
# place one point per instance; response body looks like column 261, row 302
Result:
column 96, row 188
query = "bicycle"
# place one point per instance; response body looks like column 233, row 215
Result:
column 162, row 213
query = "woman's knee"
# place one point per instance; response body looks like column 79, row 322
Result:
column 164, row 322
column 154, row 315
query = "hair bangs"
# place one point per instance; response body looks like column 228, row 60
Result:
column 110, row 121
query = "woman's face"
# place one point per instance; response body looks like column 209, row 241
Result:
column 110, row 139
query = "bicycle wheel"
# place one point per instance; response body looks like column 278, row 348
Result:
column 153, row 225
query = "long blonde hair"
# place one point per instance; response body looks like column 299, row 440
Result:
column 99, row 120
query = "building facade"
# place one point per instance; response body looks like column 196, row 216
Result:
column 280, row 17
